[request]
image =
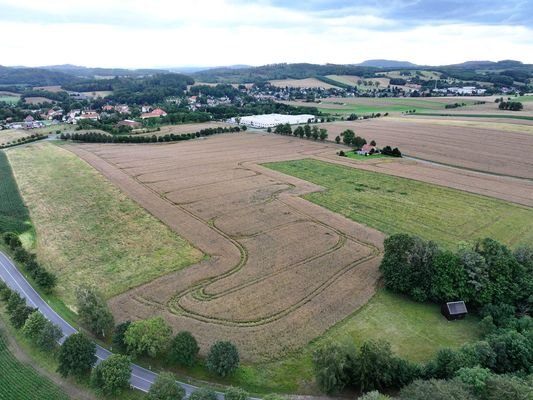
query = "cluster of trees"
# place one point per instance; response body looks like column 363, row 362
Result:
column 301, row 131
column 351, row 139
column 153, row 337
column 93, row 311
column 388, row 151
column 26, row 139
column 45, row 279
column 511, row 105
column 397, row 81
column 97, row 137
column 455, row 105
column 486, row 275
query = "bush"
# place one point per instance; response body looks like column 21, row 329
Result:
column 234, row 393
column 474, row 378
column 183, row 349
column 223, row 358
column 93, row 311
column 435, row 390
column 12, row 240
column 203, row 394
column 330, row 363
column 118, row 336
column 148, row 337
column 165, row 387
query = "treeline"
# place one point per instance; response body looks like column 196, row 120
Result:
column 485, row 276
column 149, row 90
column 281, row 71
column 97, row 137
column 301, row 131
column 218, row 91
column 32, row 76
column 494, row 281
column 44, row 279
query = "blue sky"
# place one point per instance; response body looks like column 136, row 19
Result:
column 222, row 32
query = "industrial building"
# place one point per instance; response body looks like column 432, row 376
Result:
column 272, row 120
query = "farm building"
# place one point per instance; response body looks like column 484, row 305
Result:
column 271, row 120
column 454, row 310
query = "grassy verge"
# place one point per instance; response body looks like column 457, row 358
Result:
column 353, row 155
column 88, row 231
column 395, row 205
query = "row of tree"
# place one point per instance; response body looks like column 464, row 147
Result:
column 45, row 279
column 26, row 139
column 301, row 131
column 97, row 137
column 486, row 274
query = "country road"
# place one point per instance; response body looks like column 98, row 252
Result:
column 141, row 378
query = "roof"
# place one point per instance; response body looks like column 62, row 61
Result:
column 456, row 307
column 367, row 147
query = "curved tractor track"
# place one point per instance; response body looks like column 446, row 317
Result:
column 277, row 264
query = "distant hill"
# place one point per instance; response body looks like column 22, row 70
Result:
column 489, row 64
column 85, row 72
column 387, row 64
column 33, row 76
column 193, row 69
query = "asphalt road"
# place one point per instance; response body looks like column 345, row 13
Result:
column 141, row 378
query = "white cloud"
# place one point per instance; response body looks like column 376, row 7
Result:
column 215, row 32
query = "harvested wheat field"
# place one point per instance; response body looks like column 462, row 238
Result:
column 278, row 264
column 502, row 151
column 189, row 128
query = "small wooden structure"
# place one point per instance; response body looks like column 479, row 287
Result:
column 453, row 310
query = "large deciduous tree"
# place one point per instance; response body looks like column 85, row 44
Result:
column 76, row 356
column 223, row 358
column 149, row 336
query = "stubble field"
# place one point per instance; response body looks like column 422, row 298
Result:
column 279, row 264
column 480, row 146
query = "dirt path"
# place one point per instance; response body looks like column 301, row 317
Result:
column 72, row 390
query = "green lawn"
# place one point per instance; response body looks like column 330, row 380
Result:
column 9, row 99
column 364, row 105
column 397, row 205
column 353, row 155
column 414, row 330
column 88, row 231
column 19, row 381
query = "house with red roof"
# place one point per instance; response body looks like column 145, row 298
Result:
column 157, row 113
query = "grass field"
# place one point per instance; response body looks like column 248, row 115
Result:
column 19, row 381
column 395, row 205
column 14, row 216
column 353, row 155
column 9, row 99
column 414, row 330
column 87, row 230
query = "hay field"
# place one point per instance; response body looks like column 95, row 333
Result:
column 502, row 150
column 188, row 128
column 10, row 135
column 302, row 83
column 87, row 230
column 53, row 89
column 279, row 263
column 9, row 97
column 101, row 93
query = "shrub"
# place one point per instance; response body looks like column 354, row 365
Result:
column 183, row 349
column 165, row 387
column 203, row 394
column 223, row 358
column 12, row 240
column 118, row 335
column 435, row 390
column 234, row 393
column 330, row 363
column 474, row 378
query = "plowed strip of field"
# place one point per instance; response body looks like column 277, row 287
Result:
column 487, row 150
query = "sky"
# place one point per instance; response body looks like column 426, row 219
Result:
column 165, row 33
